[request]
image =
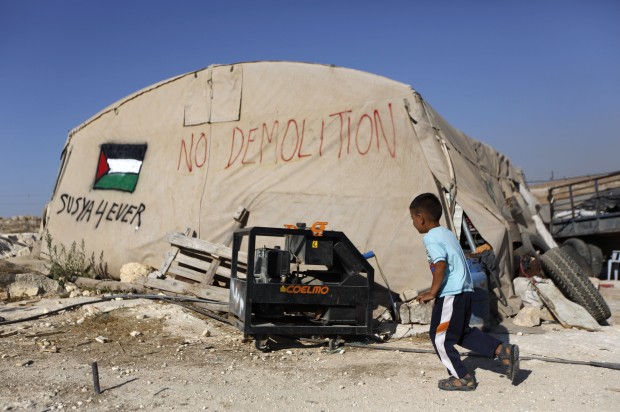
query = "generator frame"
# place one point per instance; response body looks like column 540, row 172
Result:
column 246, row 293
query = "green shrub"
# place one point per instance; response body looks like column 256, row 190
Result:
column 99, row 270
column 72, row 263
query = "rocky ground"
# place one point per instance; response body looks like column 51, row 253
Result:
column 160, row 356
column 154, row 355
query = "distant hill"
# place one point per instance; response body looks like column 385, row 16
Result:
column 20, row 224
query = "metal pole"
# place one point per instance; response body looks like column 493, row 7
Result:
column 468, row 236
column 96, row 378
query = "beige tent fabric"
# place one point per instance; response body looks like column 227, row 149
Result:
column 292, row 142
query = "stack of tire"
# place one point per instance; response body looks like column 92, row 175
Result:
column 570, row 271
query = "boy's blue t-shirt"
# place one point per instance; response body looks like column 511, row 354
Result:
column 441, row 244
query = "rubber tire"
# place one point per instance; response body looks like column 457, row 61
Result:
column 597, row 261
column 580, row 247
column 262, row 344
column 534, row 244
column 583, row 264
column 568, row 277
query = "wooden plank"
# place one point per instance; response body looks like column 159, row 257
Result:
column 172, row 254
column 218, row 250
column 176, row 286
column 149, row 285
column 240, row 219
column 223, row 271
column 185, row 272
column 212, row 292
column 215, row 307
column 193, row 262
column 196, row 263
column 169, row 285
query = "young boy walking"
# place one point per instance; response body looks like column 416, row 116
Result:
column 452, row 289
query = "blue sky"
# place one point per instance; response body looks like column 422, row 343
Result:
column 537, row 80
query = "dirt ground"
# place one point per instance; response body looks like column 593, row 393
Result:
column 181, row 360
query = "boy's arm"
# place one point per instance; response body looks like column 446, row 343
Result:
column 438, row 274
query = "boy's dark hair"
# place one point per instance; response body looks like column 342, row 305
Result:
column 428, row 203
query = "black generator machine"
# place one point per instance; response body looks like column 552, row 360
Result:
column 309, row 282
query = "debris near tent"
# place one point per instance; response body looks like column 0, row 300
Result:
column 568, row 313
column 184, row 272
column 18, row 235
column 554, row 282
column 195, row 266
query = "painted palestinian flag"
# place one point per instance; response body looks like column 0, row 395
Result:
column 119, row 166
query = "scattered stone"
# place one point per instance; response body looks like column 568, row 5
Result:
column 206, row 333
column 29, row 285
column 86, row 293
column 545, row 315
column 379, row 311
column 16, row 244
column 24, row 363
column 406, row 331
column 529, row 316
column 101, row 339
column 420, row 313
column 140, row 317
column 409, row 295
column 135, row 333
column 404, row 315
column 133, row 271
column 92, row 310
column 80, row 321
column 75, row 294
column 568, row 313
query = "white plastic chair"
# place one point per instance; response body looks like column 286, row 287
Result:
column 613, row 265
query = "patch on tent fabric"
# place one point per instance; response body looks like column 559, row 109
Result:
column 119, row 167
column 214, row 96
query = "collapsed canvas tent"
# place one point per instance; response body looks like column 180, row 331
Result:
column 292, row 142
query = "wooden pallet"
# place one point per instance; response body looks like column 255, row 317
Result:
column 195, row 257
column 199, row 267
